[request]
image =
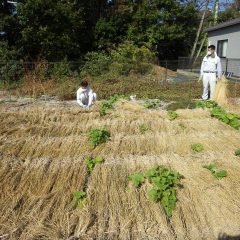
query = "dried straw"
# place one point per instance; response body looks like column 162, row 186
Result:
column 41, row 166
column 221, row 94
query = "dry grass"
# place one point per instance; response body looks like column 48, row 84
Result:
column 41, row 164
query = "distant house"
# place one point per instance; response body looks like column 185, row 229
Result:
column 226, row 37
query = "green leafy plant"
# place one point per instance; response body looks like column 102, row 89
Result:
column 137, row 179
column 206, row 104
column 80, row 198
column 231, row 119
column 219, row 174
column 164, row 183
column 98, row 136
column 108, row 104
column 92, row 161
column 237, row 152
column 143, row 128
column 172, row 115
column 197, row 147
column 182, row 126
column 152, row 104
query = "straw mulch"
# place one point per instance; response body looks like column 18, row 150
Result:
column 41, row 165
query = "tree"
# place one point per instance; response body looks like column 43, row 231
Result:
column 52, row 29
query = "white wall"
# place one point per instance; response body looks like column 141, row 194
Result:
column 232, row 34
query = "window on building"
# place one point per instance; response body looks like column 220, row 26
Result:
column 222, row 48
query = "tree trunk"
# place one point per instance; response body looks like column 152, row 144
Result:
column 198, row 32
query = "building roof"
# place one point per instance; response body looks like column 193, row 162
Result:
column 223, row 25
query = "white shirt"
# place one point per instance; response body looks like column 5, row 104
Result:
column 85, row 96
column 210, row 64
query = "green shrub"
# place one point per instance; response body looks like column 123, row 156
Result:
column 11, row 70
column 128, row 57
column 121, row 61
column 96, row 63
column 61, row 70
column 219, row 174
column 98, row 136
column 197, row 147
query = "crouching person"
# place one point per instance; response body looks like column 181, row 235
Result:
column 85, row 95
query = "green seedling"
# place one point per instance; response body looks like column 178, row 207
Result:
column 92, row 161
column 143, row 128
column 137, row 179
column 80, row 198
column 217, row 174
column 182, row 126
column 172, row 115
column 98, row 136
column 197, row 147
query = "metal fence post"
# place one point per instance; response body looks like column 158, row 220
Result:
column 166, row 66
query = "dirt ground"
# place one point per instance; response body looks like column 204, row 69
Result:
column 42, row 148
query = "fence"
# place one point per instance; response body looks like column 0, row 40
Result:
column 230, row 67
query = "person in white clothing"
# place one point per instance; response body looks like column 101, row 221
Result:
column 211, row 71
column 85, row 95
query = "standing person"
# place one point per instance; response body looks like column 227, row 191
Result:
column 85, row 95
column 211, row 71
